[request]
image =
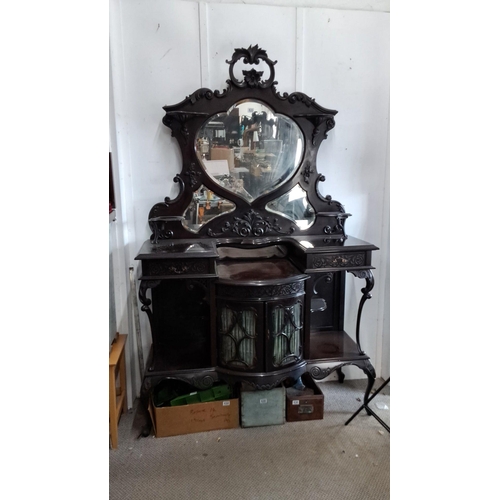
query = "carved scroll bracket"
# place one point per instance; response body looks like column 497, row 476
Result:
column 159, row 228
column 327, row 199
column 177, row 121
column 338, row 228
column 322, row 370
column 327, row 277
column 318, row 120
column 182, row 186
column 203, row 381
column 145, row 284
column 370, row 283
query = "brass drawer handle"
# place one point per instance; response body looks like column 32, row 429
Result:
column 340, row 260
column 177, row 270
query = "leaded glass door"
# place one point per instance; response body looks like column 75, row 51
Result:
column 284, row 332
column 239, row 335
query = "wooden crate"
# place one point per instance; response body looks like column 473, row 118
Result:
column 307, row 407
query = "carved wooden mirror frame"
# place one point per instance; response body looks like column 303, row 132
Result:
column 247, row 219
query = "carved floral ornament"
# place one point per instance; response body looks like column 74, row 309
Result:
column 251, row 224
column 341, row 260
column 252, row 78
column 270, row 291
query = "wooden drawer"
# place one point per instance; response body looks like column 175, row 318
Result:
column 338, row 260
column 306, row 407
column 177, row 267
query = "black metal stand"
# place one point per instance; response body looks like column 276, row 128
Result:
column 370, row 411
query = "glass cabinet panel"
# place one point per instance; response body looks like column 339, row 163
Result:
column 238, row 332
column 285, row 330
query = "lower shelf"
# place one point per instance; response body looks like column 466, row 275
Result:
column 324, row 346
column 333, row 345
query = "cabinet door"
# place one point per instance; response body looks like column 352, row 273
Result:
column 181, row 324
column 326, row 291
column 240, row 335
column 284, row 337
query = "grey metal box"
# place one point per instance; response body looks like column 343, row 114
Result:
column 260, row 408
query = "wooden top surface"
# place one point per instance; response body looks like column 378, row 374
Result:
column 257, row 271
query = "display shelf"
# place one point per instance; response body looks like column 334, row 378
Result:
column 333, row 345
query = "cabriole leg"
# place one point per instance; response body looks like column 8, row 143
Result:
column 370, row 283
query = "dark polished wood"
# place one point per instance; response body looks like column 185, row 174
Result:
column 250, row 295
column 333, row 345
column 266, row 272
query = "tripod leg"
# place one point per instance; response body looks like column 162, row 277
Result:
column 369, row 410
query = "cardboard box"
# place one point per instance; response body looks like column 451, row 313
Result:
column 259, row 408
column 223, row 154
column 199, row 417
column 306, row 407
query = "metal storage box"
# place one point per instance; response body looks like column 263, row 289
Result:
column 259, row 408
column 307, row 406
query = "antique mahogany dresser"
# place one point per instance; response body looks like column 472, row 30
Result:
column 243, row 277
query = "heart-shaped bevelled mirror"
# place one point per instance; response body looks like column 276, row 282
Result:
column 250, row 148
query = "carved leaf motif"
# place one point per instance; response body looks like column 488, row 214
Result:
column 193, row 175
column 308, row 171
column 255, row 52
column 252, row 223
column 250, row 55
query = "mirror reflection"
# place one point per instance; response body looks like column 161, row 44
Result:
column 250, row 149
column 204, row 206
column 294, row 205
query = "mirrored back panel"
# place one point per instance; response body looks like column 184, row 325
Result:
column 250, row 149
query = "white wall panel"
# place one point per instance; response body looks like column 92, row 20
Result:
column 162, row 62
column 370, row 5
column 346, row 67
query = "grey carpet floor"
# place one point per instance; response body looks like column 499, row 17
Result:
column 320, row 459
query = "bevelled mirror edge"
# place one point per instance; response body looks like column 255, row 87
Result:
column 250, row 149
